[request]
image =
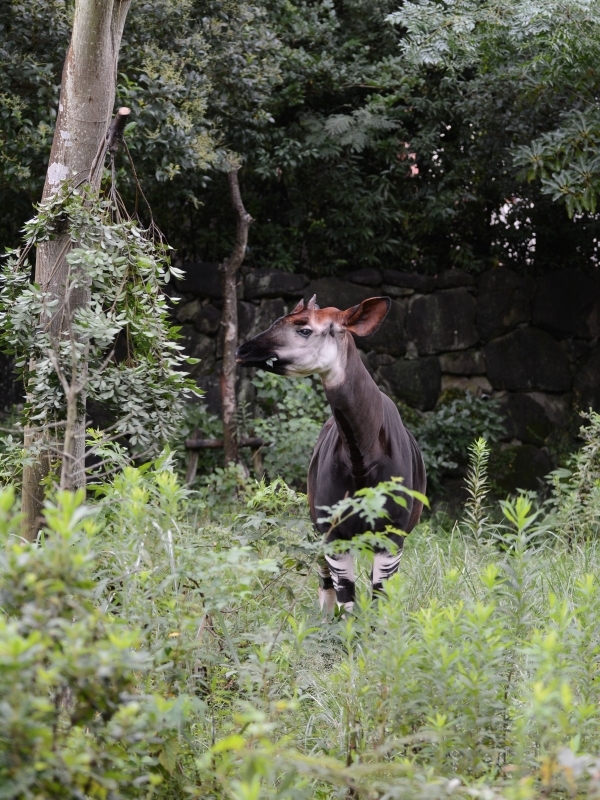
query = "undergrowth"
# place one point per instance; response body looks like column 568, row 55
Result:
column 149, row 648
column 288, row 414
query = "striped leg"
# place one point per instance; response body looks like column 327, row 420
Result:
column 384, row 566
column 341, row 568
column 326, row 590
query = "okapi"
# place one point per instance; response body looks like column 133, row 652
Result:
column 362, row 444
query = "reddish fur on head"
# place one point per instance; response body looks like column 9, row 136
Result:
column 312, row 339
column 361, row 320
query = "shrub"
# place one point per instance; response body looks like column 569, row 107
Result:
column 444, row 435
column 294, row 411
column 576, row 487
column 197, row 417
column 81, row 710
column 147, row 650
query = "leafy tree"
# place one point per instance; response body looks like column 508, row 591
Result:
column 333, row 110
column 384, row 150
column 324, row 180
column 175, row 55
column 168, row 90
column 536, row 63
column 79, row 145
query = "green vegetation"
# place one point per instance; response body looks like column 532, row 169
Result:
column 165, row 642
column 152, row 646
column 121, row 347
column 456, row 136
column 291, row 412
column 445, row 434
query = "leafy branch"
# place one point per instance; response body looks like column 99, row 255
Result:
column 120, row 348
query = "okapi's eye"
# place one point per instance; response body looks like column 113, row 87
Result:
column 306, row 332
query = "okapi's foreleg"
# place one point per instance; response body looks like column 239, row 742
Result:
column 341, row 569
column 326, row 588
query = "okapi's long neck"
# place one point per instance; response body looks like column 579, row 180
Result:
column 358, row 411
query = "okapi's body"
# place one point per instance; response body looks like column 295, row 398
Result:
column 365, row 441
column 363, row 445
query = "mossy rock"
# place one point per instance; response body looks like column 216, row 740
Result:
column 515, row 467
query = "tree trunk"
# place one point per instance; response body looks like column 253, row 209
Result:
column 87, row 97
column 229, row 319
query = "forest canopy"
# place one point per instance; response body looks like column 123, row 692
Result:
column 435, row 135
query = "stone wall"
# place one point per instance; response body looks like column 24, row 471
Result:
column 11, row 388
column 533, row 344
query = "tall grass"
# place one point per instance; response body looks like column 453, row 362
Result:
column 475, row 676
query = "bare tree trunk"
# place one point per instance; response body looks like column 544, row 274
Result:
column 87, row 98
column 229, row 319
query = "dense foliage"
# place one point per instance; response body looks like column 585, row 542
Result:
column 363, row 142
column 80, row 713
column 373, row 157
column 445, row 434
column 176, row 56
column 151, row 646
column 292, row 414
column 119, row 349
column 289, row 414
column 162, row 642
column 547, row 52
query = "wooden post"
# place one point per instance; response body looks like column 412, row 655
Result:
column 192, row 465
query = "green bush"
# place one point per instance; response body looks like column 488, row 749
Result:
column 444, row 435
column 290, row 414
column 82, row 714
column 151, row 649
column 576, row 486
column 293, row 414
column 197, row 417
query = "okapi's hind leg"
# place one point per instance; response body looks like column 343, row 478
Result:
column 326, row 589
column 341, row 569
column 384, row 566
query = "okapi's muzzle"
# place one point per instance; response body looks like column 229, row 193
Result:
column 256, row 353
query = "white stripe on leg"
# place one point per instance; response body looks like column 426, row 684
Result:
column 384, row 566
column 341, row 568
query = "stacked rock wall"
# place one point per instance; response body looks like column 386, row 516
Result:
column 11, row 387
column 533, row 344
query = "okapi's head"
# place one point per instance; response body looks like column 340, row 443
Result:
column 312, row 339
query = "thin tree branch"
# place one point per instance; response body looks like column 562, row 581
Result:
column 111, row 141
column 229, row 320
column 244, row 220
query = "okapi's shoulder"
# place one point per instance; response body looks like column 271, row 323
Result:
column 325, row 445
column 314, row 464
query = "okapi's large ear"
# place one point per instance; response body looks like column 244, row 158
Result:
column 365, row 319
column 299, row 308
